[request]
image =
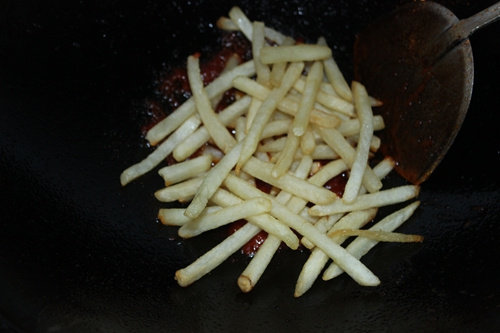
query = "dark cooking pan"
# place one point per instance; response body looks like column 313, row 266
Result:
column 78, row 253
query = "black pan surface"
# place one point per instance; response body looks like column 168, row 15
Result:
column 78, row 253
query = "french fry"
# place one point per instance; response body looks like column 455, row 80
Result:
column 301, row 120
column 321, row 152
column 286, row 156
column 188, row 169
column 212, row 181
column 240, row 128
column 267, row 108
column 352, row 127
column 294, row 53
column 225, row 23
column 287, row 105
column 252, row 111
column 365, row 201
column 374, row 143
column 187, row 109
column 384, row 167
column 324, row 224
column 205, row 222
column 216, row 255
column 278, row 69
column 218, row 132
column 360, row 162
column 262, row 70
column 308, row 143
column 360, row 246
column 179, row 191
column 252, row 273
column 160, row 153
column 176, row 217
column 359, row 272
column 275, row 36
column 335, row 76
column 289, row 183
column 276, row 128
column 197, row 139
column 327, row 89
column 339, row 144
column 318, row 259
column 265, row 221
column 327, row 172
column 377, row 235
column 329, row 101
column 241, row 21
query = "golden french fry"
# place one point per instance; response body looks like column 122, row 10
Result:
column 374, row 143
column 286, row 156
column 262, row 70
column 365, row 201
column 187, row 109
column 252, row 111
column 340, row 145
column 276, row 128
column 318, row 259
column 160, row 153
column 360, row 246
column 308, row 144
column 329, row 171
column 179, row 191
column 176, row 217
column 364, row 110
column 329, row 101
column 218, row 132
column 301, row 120
column 359, row 272
column 197, row 139
column 289, row 183
column 294, row 53
column 212, row 181
column 378, row 235
column 243, row 210
column 225, row 23
column 188, row 169
column 351, row 127
column 265, row 111
column 324, row 224
column 252, row 273
column 278, row 69
column 216, row 255
column 287, row 105
column 265, row 221
column 240, row 128
column 241, row 21
column 335, row 76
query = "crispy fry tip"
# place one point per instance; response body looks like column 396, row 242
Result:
column 179, row 277
column 245, row 283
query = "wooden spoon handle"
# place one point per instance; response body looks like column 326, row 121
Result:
column 466, row 27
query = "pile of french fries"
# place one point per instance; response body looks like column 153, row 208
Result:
column 294, row 110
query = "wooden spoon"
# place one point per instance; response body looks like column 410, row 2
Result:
column 418, row 61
